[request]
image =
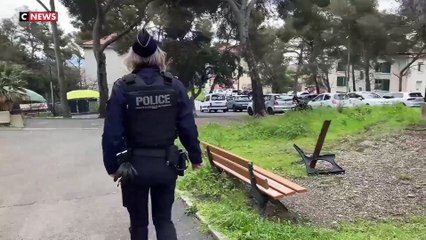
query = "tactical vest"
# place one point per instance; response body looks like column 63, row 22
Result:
column 151, row 113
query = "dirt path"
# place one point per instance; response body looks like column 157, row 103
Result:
column 385, row 177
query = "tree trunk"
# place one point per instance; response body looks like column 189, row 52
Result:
column 213, row 85
column 367, row 75
column 258, row 100
column 327, row 81
column 353, row 78
column 100, row 60
column 102, row 83
column 60, row 68
column 315, row 78
column 299, row 69
column 243, row 19
column 400, row 78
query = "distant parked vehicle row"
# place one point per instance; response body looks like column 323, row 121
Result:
column 334, row 100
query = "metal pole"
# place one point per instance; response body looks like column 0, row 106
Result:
column 52, row 97
column 349, row 60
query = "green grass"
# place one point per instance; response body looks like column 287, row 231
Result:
column 268, row 142
column 227, row 208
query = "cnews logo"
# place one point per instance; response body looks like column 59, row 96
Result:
column 38, row 16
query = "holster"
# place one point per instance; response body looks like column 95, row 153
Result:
column 177, row 158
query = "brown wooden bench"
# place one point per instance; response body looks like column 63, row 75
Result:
column 266, row 186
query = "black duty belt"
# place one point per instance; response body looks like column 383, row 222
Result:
column 150, row 152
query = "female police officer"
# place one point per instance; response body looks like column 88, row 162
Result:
column 146, row 112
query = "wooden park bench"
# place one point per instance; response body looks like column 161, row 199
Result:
column 311, row 161
column 266, row 186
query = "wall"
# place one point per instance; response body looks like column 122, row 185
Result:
column 114, row 65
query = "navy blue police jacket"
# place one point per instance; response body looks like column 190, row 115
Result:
column 114, row 135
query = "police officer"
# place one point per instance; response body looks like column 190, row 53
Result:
column 146, row 112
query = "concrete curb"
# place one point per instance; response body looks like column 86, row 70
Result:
column 188, row 202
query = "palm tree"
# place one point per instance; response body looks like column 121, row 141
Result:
column 11, row 85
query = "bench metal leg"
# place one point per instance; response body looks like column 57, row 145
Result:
column 310, row 161
column 261, row 198
column 210, row 157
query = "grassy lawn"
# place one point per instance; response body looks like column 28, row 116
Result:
column 268, row 142
column 227, row 208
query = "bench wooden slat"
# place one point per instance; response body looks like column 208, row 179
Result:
column 260, row 180
column 280, row 188
column 262, row 171
column 281, row 180
column 270, row 192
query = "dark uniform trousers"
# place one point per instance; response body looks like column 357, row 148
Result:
column 158, row 180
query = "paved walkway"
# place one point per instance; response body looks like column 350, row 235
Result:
column 53, row 186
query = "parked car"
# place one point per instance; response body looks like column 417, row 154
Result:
column 308, row 98
column 238, row 103
column 214, row 102
column 275, row 103
column 409, row 99
column 334, row 100
column 370, row 98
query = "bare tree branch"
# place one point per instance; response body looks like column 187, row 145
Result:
column 44, row 6
column 127, row 30
column 415, row 58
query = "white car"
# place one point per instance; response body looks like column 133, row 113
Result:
column 334, row 100
column 370, row 98
column 214, row 102
column 409, row 99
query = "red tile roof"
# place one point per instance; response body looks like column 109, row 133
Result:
column 103, row 40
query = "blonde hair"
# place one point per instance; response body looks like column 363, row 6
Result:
column 134, row 61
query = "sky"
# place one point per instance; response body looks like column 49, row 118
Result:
column 9, row 7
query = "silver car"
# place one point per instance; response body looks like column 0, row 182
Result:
column 275, row 103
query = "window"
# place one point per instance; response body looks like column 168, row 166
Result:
column 327, row 97
column 354, row 95
column 382, row 84
column 318, row 98
column 415, row 94
column 341, row 81
column 243, row 98
column 218, row 97
column 420, row 66
column 207, row 98
column 341, row 96
column 361, row 75
column 341, row 67
column 383, row 67
column 370, row 96
column 418, row 85
column 397, row 95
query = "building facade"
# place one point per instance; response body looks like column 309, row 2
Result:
column 383, row 77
